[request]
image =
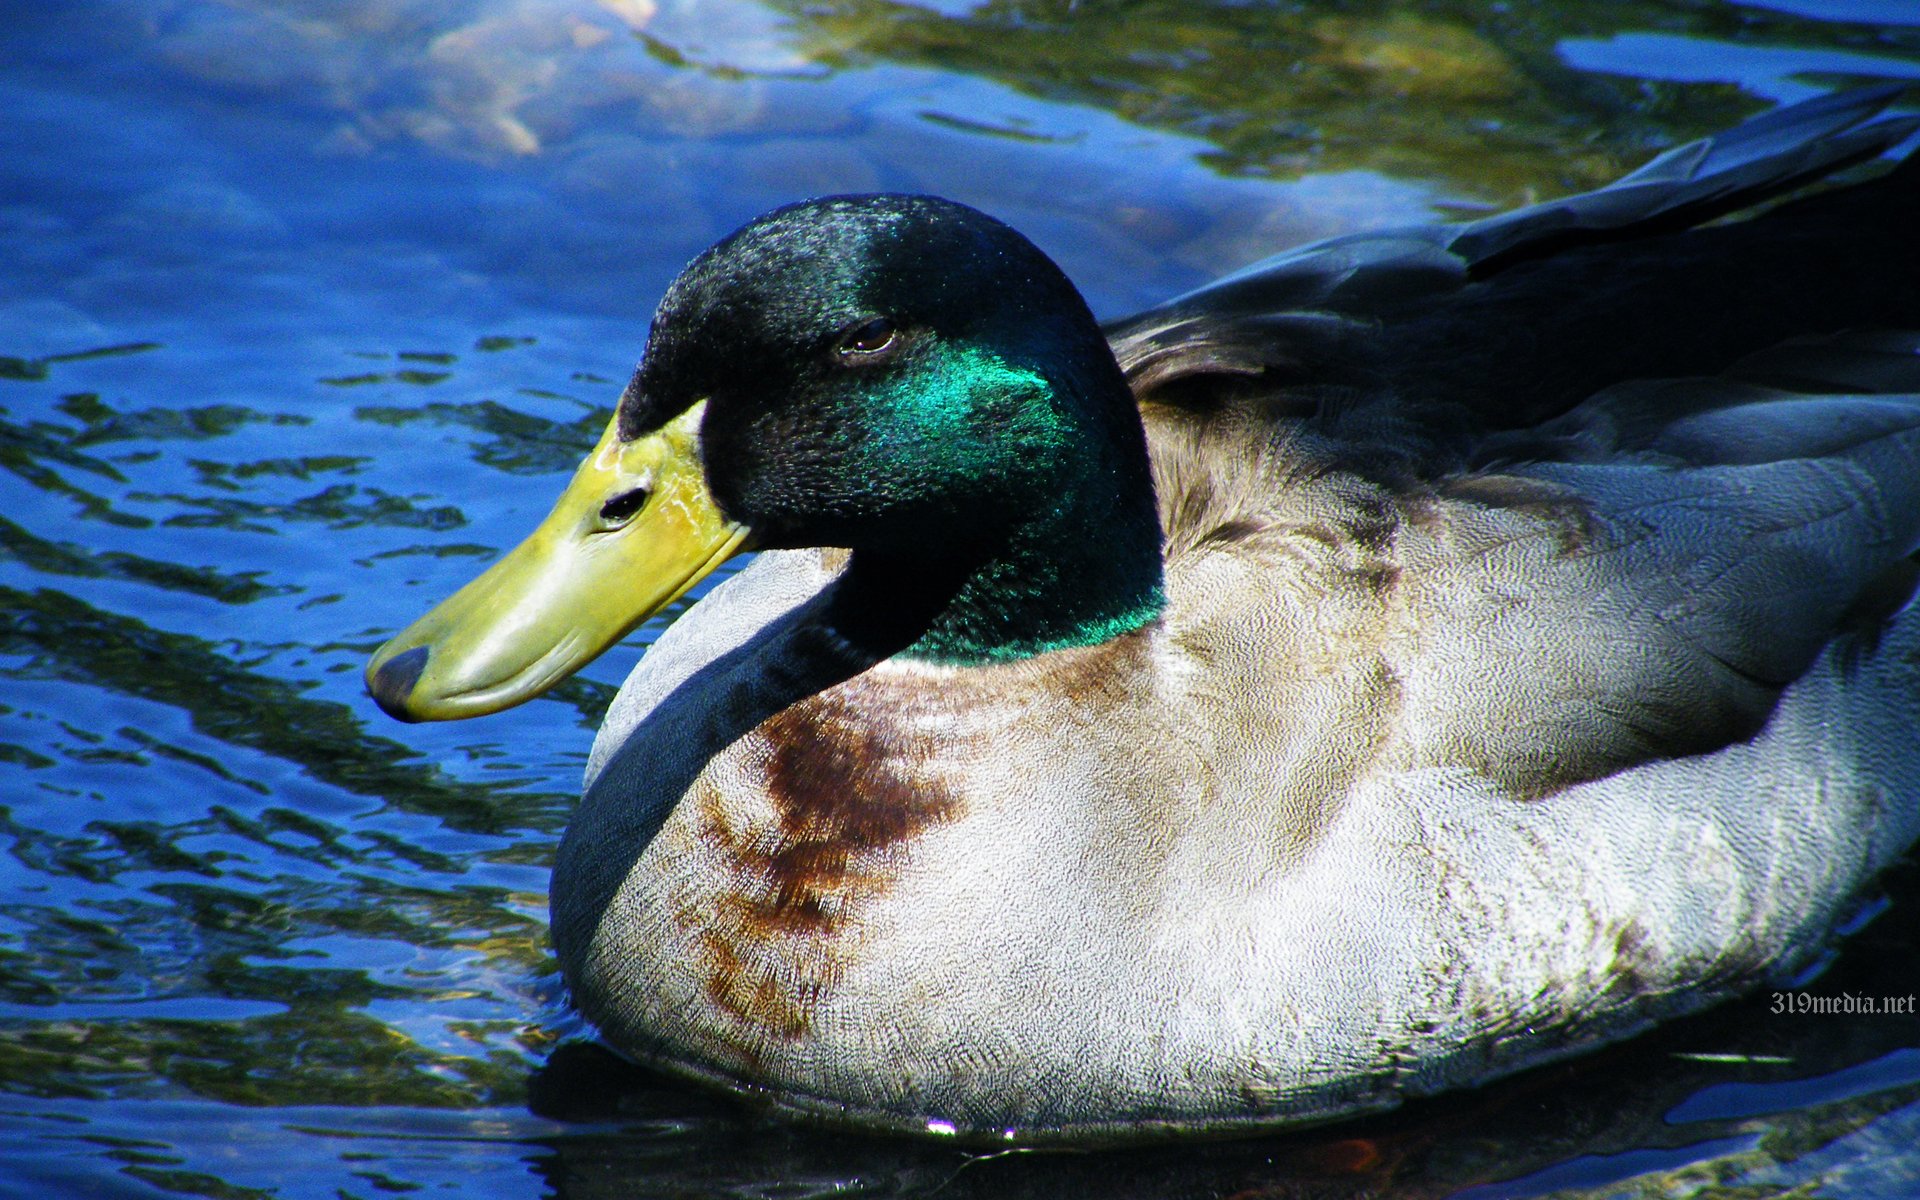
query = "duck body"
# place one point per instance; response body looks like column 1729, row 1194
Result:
column 1392, row 704
column 1199, row 878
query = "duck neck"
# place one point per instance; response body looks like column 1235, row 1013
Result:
column 1081, row 567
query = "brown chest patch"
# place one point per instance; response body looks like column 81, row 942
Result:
column 851, row 787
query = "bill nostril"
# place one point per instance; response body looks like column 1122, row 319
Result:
column 624, row 506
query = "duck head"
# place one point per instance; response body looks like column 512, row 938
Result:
column 900, row 376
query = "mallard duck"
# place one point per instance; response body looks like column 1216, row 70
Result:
column 1410, row 659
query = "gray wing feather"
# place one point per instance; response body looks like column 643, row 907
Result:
column 1684, row 185
column 1718, row 554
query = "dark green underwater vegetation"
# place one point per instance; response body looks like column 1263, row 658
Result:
column 307, row 310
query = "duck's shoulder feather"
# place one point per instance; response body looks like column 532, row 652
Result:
column 1640, row 583
column 1456, row 474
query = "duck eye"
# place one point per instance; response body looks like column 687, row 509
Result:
column 622, row 507
column 867, row 339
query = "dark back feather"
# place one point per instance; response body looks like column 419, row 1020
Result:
column 1411, row 354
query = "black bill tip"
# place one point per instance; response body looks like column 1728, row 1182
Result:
column 392, row 682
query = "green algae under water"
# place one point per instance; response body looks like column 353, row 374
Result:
column 307, row 310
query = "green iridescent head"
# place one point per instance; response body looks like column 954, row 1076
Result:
column 899, row 376
column 913, row 380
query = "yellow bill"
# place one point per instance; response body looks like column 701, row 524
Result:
column 634, row 530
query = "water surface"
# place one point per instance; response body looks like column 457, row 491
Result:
column 307, row 309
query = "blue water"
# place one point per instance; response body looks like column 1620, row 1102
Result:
column 305, row 312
